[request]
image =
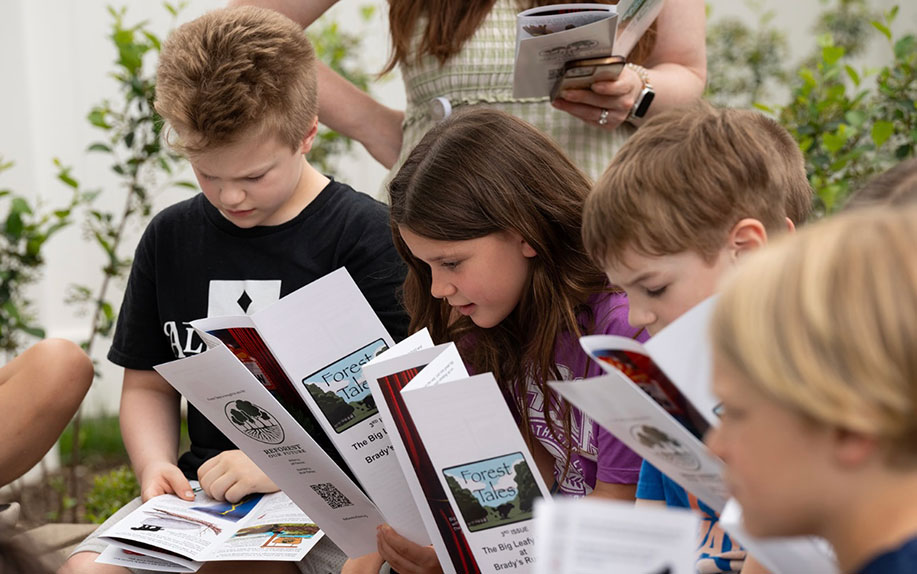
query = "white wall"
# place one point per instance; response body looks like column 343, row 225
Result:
column 54, row 65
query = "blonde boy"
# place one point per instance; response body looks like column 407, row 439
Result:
column 813, row 354
column 237, row 89
column 690, row 193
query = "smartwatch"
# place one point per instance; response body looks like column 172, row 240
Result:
column 646, row 95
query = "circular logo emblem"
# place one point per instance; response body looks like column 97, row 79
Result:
column 665, row 446
column 254, row 422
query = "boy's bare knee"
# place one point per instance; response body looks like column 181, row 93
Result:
column 85, row 563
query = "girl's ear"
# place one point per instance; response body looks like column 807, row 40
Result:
column 746, row 236
column 528, row 250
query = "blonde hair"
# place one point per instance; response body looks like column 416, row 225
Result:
column 687, row 176
column 236, row 71
column 824, row 323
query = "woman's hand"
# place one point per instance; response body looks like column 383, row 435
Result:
column 605, row 104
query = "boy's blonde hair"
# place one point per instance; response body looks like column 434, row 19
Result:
column 823, row 322
column 687, row 176
column 236, row 71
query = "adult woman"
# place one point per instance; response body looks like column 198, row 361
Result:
column 463, row 51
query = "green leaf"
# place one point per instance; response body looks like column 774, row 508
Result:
column 34, row 331
column 881, row 131
column 14, row 225
column 853, row 75
column 831, row 54
column 763, row 108
column 99, row 147
column 882, row 28
column 188, row 184
column 834, row 142
column 65, row 177
column 97, row 118
column 855, row 118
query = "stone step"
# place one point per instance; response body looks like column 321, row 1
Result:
column 57, row 541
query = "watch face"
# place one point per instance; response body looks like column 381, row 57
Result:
column 646, row 98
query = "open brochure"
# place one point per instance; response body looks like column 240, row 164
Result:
column 173, row 535
column 263, row 373
column 655, row 398
column 468, row 467
column 596, row 536
column 781, row 555
column 549, row 36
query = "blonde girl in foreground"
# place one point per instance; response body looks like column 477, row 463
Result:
column 815, row 361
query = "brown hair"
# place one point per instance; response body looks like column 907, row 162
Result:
column 896, row 186
column 823, row 322
column 687, row 176
column 450, row 24
column 234, row 70
column 480, row 172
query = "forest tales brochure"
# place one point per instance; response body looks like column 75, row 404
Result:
column 387, row 375
column 231, row 398
column 482, row 463
column 596, row 536
column 615, row 403
column 656, row 399
column 306, row 352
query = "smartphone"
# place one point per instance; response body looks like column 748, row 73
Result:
column 581, row 74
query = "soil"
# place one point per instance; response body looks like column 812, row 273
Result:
column 46, row 501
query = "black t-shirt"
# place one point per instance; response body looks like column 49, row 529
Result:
column 192, row 263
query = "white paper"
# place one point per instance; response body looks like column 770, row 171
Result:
column 635, row 17
column 321, row 335
column 789, row 555
column 482, row 463
column 540, row 59
column 221, row 388
column 187, row 533
column 387, row 375
column 596, row 536
column 118, row 556
column 684, row 351
column 618, row 405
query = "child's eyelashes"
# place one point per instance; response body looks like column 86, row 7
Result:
column 254, row 177
column 658, row 292
column 449, row 264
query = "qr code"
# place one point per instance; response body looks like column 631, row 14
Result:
column 331, row 495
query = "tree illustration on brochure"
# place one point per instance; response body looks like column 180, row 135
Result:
column 526, row 486
column 468, row 504
column 254, row 421
column 336, row 410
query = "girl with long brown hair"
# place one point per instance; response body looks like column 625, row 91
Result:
column 486, row 210
column 463, row 52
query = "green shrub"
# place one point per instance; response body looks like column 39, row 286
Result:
column 111, row 491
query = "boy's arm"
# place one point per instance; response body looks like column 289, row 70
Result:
column 342, row 106
column 150, row 426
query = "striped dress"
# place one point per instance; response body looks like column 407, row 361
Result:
column 482, row 73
